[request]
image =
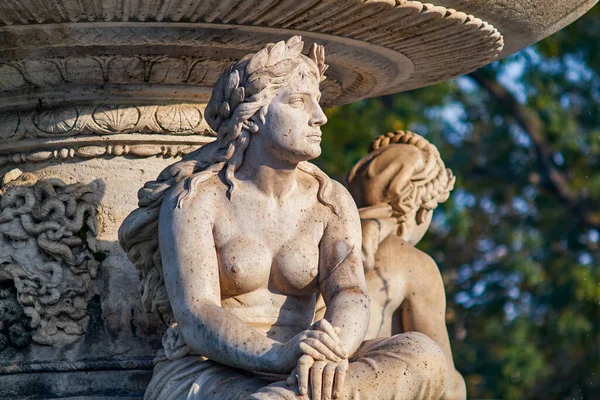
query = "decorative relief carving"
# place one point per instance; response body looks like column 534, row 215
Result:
column 126, row 70
column 116, row 118
column 95, row 151
column 55, row 121
column 9, row 123
column 14, row 329
column 44, row 72
column 12, row 77
column 85, row 70
column 44, row 226
column 377, row 47
column 179, row 119
column 111, row 69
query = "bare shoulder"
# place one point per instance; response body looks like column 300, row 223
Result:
column 424, row 259
column 195, row 197
column 336, row 195
column 343, row 195
column 346, row 207
column 396, row 254
column 428, row 278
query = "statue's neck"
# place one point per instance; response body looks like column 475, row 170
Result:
column 268, row 173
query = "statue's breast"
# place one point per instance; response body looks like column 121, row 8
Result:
column 295, row 267
column 244, row 265
column 247, row 264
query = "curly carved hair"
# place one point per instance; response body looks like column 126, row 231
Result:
column 405, row 171
column 240, row 99
column 48, row 216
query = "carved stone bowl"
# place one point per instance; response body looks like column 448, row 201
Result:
column 83, row 50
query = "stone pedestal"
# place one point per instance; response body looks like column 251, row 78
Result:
column 112, row 355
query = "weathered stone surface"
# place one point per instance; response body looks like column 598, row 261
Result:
column 375, row 47
column 523, row 23
column 44, row 252
column 107, row 93
column 120, row 336
column 397, row 186
column 235, row 242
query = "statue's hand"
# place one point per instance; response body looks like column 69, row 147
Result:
column 320, row 342
column 326, row 378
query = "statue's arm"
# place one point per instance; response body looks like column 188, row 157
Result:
column 191, row 277
column 424, row 310
column 342, row 279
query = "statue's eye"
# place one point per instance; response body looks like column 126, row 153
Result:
column 17, row 243
column 296, row 102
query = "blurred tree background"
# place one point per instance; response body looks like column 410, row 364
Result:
column 518, row 241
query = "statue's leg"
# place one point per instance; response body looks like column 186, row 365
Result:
column 409, row 366
column 277, row 391
column 196, row 378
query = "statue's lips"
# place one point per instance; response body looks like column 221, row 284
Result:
column 314, row 136
column 5, row 259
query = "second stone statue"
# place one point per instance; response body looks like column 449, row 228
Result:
column 236, row 241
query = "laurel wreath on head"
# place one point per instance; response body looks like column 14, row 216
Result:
column 245, row 81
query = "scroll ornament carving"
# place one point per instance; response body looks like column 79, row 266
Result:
column 44, row 253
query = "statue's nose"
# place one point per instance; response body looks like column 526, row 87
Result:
column 318, row 118
column 5, row 257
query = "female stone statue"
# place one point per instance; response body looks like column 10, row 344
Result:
column 397, row 186
column 235, row 241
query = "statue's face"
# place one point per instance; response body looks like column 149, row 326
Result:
column 292, row 129
column 16, row 246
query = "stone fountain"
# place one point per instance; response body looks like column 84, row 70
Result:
column 97, row 97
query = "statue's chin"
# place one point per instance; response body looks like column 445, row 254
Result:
column 315, row 154
column 311, row 152
column 305, row 154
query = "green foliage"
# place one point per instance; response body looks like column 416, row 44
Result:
column 520, row 259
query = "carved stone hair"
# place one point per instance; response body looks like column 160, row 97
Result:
column 51, row 216
column 405, row 171
column 240, row 99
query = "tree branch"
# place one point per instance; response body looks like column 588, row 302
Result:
column 533, row 126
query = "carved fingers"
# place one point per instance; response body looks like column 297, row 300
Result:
column 331, row 338
column 324, row 380
column 340, row 378
column 321, row 346
column 322, row 368
column 304, row 365
column 321, row 342
column 316, row 379
column 327, row 379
